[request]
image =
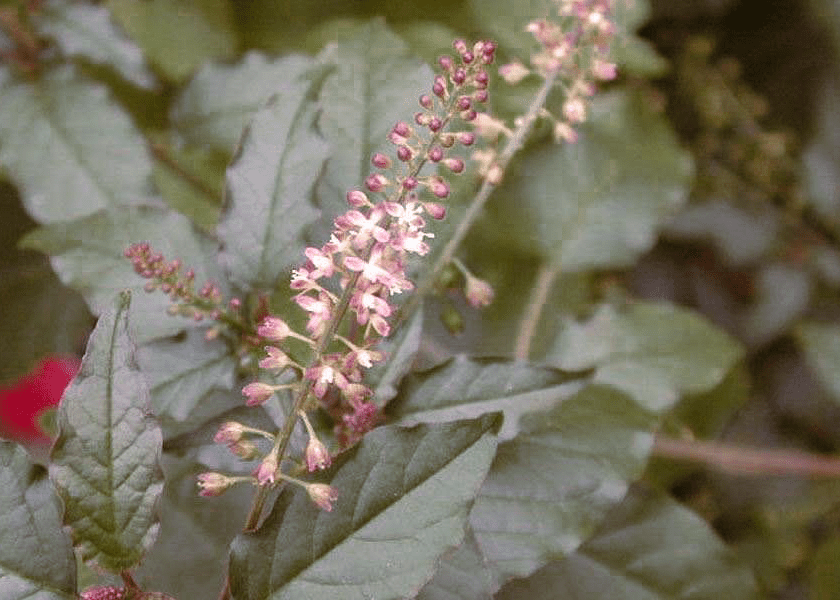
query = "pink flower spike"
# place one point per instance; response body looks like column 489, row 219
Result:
column 322, row 494
column 257, row 393
column 273, row 329
column 317, row 455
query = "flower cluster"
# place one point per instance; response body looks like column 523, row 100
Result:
column 167, row 277
column 575, row 46
column 359, row 271
column 362, row 267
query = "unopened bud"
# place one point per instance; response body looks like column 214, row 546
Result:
column 257, row 393
column 266, row 473
column 229, row 433
column 479, row 293
column 317, row 456
column 213, row 484
column 322, row 494
column 274, row 329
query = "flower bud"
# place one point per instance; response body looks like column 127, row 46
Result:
column 322, row 494
column 244, row 449
column 266, row 473
column 213, row 484
column 439, row 188
column 229, row 433
column 426, row 102
column 274, row 329
column 276, row 359
column 376, row 182
column 436, row 210
column 479, row 293
column 257, row 393
column 456, row 165
column 574, row 110
column 435, row 153
column 357, row 198
column 317, row 456
column 380, row 160
column 514, row 72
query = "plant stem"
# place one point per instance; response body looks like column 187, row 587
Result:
column 514, row 144
column 739, row 460
column 546, row 276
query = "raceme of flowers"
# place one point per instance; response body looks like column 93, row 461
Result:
column 360, row 271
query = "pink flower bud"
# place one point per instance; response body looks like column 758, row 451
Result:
column 605, row 71
column 213, row 484
column 376, row 182
column 409, row 183
column 273, row 329
column 514, row 72
column 479, row 293
column 322, row 494
column 380, row 161
column 439, row 188
column 257, row 393
column 426, row 102
column 460, row 46
column 467, row 57
column 357, row 198
column 574, row 110
column 446, row 63
column 456, row 165
column 276, row 359
column 404, row 153
column 244, row 449
column 467, row 138
column 464, row 103
column 436, row 210
column 266, row 473
column 317, row 456
column 459, row 76
column 435, row 153
column 435, row 124
column 229, row 433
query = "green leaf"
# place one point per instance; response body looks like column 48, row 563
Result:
column 86, row 31
column 191, row 181
column 649, row 548
column 376, row 82
column 550, row 487
column 821, row 344
column 461, row 575
column 69, row 148
column 597, row 203
column 181, row 372
column 179, row 36
column 87, row 254
column 505, row 20
column 271, row 183
column 467, row 388
column 220, row 100
column 403, row 501
column 105, row 462
column 36, row 555
column 655, row 352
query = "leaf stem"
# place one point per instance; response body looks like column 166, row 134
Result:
column 515, row 143
column 546, row 276
column 739, row 460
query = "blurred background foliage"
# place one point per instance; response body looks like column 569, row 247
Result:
column 751, row 89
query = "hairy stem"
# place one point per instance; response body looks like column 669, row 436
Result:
column 514, row 144
column 739, row 460
column 546, row 276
